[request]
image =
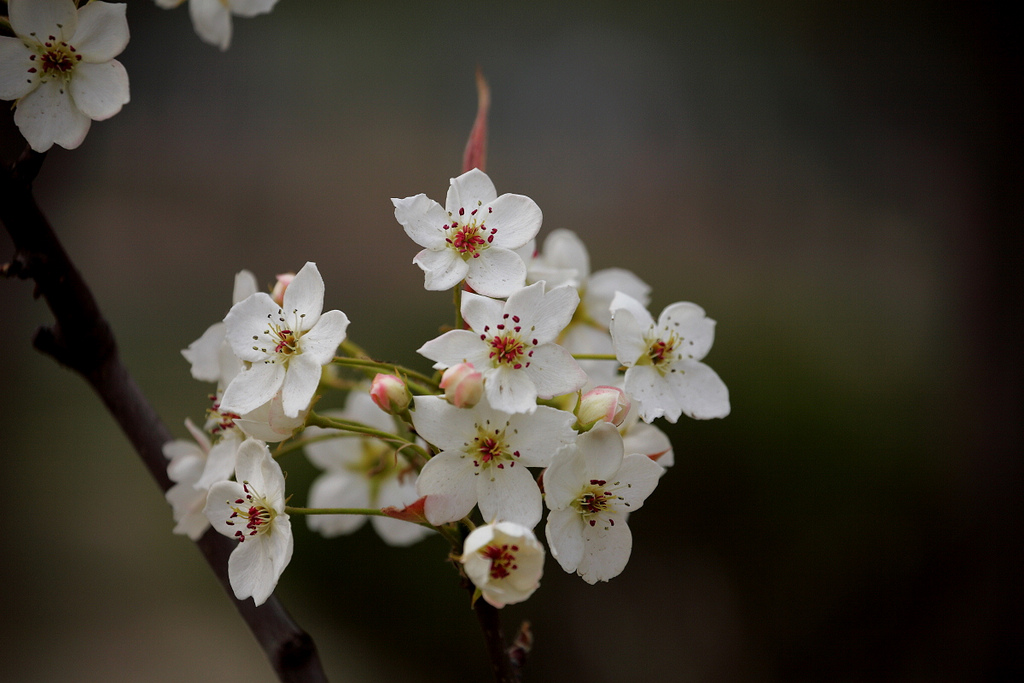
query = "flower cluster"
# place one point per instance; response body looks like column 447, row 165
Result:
column 508, row 428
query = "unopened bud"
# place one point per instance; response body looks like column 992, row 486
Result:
column 390, row 394
column 463, row 385
column 283, row 280
column 602, row 403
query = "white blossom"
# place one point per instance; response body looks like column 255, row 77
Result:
column 512, row 345
column 61, row 68
column 211, row 356
column 589, row 489
column 187, row 462
column 504, row 561
column 285, row 347
column 473, row 238
column 251, row 510
column 483, row 458
column 664, row 374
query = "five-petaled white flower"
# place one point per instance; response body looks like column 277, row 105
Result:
column 361, row 472
column 61, row 68
column 286, row 347
column 504, row 561
column 251, row 510
column 589, row 489
column 473, row 237
column 212, row 18
column 664, row 374
column 483, row 459
column 512, row 345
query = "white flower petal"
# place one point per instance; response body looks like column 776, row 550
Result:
column 496, row 272
column 540, row 434
column 250, row 8
column 212, row 22
column 604, row 284
column 422, row 219
column 553, row 312
column 652, row 393
column 627, row 336
column 253, row 387
column 642, row 474
column 204, row 353
column 337, row 490
column 245, row 286
column 516, row 218
column 102, row 32
column 564, row 532
column 40, row 19
column 509, row 390
column 247, row 319
column 15, row 61
column 695, row 330
column 442, row 269
column 441, row 423
column 699, row 391
column 220, row 463
column 456, row 346
column 100, row 90
column 607, row 552
column 47, row 115
column 480, row 311
column 553, row 371
column 509, row 494
column 321, row 343
column 218, row 509
column 300, row 383
column 304, row 298
column 447, row 482
column 470, row 190
column 602, row 451
column 643, row 317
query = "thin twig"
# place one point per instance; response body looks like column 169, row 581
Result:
column 82, row 340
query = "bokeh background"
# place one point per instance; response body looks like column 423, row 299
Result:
column 836, row 183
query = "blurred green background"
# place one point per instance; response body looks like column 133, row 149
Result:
column 837, row 185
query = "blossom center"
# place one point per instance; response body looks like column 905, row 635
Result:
column 54, row 58
column 661, row 351
column 223, row 421
column 595, row 499
column 253, row 511
column 507, row 344
column 282, row 336
column 489, row 448
column 468, row 236
column 502, row 557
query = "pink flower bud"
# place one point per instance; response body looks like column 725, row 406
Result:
column 390, row 394
column 603, row 403
column 463, row 385
column 283, row 280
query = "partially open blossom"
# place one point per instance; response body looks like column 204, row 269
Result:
column 390, row 394
column 285, row 346
column 283, row 280
column 251, row 510
column 463, row 385
column 61, row 68
column 603, row 403
column 212, row 18
column 504, row 560
column 473, row 237
column 211, row 356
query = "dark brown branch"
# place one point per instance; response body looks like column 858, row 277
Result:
column 82, row 340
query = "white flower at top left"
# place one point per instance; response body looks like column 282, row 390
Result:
column 285, row 347
column 61, row 68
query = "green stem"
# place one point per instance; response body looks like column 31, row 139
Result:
column 594, row 356
column 425, row 384
column 457, row 299
column 334, row 511
column 359, row 428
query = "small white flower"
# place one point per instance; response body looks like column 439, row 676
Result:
column 483, row 459
column 286, row 347
column 361, row 472
column 505, row 561
column 61, row 68
column 512, row 345
column 251, row 510
column 212, row 18
column 211, row 356
column 664, row 374
column 589, row 489
column 473, row 238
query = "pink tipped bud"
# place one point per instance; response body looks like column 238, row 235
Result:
column 463, row 385
column 390, row 394
column 603, row 403
column 283, row 280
